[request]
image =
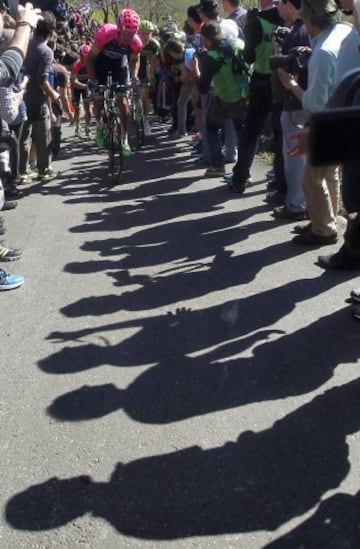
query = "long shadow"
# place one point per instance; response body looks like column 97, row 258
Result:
column 178, row 240
column 259, row 482
column 148, row 196
column 188, row 279
column 157, row 338
column 179, row 386
column 335, row 525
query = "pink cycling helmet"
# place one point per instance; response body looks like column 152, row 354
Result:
column 128, row 21
column 85, row 49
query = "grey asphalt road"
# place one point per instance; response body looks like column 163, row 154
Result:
column 175, row 372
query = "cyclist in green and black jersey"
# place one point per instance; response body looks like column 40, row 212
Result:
column 148, row 62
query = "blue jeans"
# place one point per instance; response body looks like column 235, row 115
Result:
column 294, row 166
column 217, row 113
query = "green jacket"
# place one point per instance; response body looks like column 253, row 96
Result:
column 264, row 49
column 229, row 86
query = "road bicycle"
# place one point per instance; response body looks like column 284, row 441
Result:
column 137, row 114
column 113, row 129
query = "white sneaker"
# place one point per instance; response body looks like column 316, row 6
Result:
column 147, row 128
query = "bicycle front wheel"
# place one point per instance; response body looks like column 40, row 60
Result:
column 138, row 121
column 116, row 161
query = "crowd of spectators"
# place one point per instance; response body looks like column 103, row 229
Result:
column 224, row 75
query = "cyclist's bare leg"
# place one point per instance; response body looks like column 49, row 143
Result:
column 86, row 105
column 98, row 110
column 145, row 98
column 76, row 116
column 125, row 115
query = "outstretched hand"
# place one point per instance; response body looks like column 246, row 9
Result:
column 28, row 14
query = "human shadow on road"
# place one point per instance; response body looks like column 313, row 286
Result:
column 185, row 279
column 182, row 242
column 335, row 525
column 158, row 337
column 259, row 482
column 159, row 203
column 181, row 386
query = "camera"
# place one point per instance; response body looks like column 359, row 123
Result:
column 279, row 34
column 293, row 62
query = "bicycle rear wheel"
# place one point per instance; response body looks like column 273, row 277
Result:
column 116, row 160
column 138, row 122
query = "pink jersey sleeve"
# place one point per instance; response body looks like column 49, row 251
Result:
column 136, row 44
column 105, row 34
column 76, row 68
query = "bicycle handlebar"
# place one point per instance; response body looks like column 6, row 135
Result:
column 114, row 88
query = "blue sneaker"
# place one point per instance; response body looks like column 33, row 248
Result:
column 228, row 177
column 10, row 282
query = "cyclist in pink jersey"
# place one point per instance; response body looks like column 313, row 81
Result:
column 115, row 49
column 80, row 90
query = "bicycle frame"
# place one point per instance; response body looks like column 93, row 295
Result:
column 113, row 129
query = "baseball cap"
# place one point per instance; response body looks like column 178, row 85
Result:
column 315, row 8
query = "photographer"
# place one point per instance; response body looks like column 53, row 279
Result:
column 348, row 60
column 224, row 69
column 321, row 184
column 294, row 56
column 257, row 51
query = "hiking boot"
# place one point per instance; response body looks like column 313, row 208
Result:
column 9, row 254
column 99, row 138
column 312, row 239
column 237, row 188
column 10, row 282
column 283, row 212
column 300, row 229
column 338, row 261
column 275, row 198
column 215, row 172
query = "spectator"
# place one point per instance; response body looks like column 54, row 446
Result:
column 230, row 89
column 321, row 184
column 209, row 12
column 234, row 11
column 39, row 94
column 173, row 55
column 348, row 59
column 148, row 63
column 79, row 88
column 293, row 116
column 257, row 51
column 11, row 61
